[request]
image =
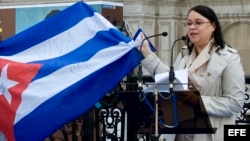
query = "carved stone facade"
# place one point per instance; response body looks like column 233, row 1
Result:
column 156, row 16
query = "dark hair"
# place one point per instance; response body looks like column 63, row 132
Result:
column 211, row 16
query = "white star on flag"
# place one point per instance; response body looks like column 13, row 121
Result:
column 6, row 83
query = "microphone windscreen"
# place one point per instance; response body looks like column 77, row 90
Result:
column 164, row 33
column 183, row 38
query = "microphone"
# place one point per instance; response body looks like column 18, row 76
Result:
column 171, row 72
column 162, row 34
column 140, row 67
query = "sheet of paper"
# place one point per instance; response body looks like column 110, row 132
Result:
column 162, row 82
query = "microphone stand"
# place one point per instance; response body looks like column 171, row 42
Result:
column 156, row 134
column 171, row 87
column 139, row 82
column 140, row 66
column 171, row 71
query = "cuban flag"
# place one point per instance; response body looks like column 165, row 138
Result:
column 56, row 70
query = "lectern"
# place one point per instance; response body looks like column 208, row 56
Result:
column 177, row 117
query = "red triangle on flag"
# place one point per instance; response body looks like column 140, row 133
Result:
column 14, row 79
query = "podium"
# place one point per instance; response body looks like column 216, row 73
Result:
column 190, row 119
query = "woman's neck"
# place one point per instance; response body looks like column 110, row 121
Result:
column 199, row 48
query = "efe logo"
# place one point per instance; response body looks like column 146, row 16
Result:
column 241, row 132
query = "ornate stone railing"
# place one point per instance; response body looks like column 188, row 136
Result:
column 244, row 116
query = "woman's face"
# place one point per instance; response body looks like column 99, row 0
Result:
column 199, row 29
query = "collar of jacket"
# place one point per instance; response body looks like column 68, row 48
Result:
column 225, row 50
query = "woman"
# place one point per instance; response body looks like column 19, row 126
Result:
column 214, row 69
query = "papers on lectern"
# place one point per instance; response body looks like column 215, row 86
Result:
column 162, row 82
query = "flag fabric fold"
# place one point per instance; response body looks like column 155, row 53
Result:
column 58, row 69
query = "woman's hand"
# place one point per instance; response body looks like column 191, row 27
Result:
column 144, row 48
